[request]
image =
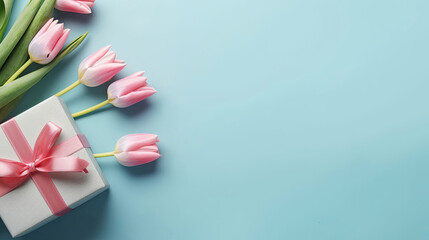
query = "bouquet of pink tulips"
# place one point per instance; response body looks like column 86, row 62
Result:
column 36, row 38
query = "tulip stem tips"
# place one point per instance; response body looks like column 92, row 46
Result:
column 65, row 90
column 19, row 71
column 93, row 108
column 107, row 154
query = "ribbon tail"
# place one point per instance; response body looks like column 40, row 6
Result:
column 7, row 184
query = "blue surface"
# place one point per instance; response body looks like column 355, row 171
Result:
column 278, row 119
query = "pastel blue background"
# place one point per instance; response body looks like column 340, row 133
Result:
column 278, row 119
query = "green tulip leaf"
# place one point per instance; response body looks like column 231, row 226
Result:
column 6, row 110
column 5, row 9
column 18, row 29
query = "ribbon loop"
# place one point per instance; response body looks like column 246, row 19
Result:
column 46, row 140
column 11, row 169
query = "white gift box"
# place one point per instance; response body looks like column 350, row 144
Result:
column 24, row 209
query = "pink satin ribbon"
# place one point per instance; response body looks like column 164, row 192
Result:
column 37, row 163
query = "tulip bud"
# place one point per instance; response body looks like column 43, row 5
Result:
column 48, row 42
column 130, row 90
column 77, row 6
column 99, row 67
column 136, row 149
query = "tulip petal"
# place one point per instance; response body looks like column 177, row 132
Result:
column 57, row 48
column 74, row 6
column 125, row 86
column 44, row 28
column 135, row 158
column 52, row 35
column 133, row 97
column 92, row 59
column 134, row 142
column 95, row 76
column 109, row 57
column 151, row 148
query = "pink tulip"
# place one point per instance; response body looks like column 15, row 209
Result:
column 130, row 90
column 77, row 6
column 136, row 149
column 99, row 67
column 48, row 42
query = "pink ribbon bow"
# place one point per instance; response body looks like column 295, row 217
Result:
column 37, row 163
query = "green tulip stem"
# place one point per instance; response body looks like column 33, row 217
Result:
column 65, row 90
column 101, row 155
column 19, row 71
column 93, row 108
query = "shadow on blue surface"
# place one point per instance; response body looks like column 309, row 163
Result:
column 143, row 170
column 68, row 17
column 84, row 222
column 136, row 109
